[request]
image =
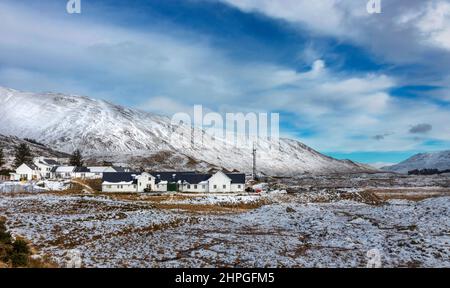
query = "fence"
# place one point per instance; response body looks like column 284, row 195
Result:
column 19, row 188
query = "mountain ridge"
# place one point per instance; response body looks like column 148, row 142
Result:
column 113, row 132
column 439, row 160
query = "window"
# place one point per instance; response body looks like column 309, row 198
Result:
column 239, row 186
column 203, row 186
column 195, row 186
column 215, row 186
column 188, row 186
column 109, row 186
column 224, row 186
column 134, row 186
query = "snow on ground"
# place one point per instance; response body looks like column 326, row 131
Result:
column 288, row 232
column 33, row 187
column 222, row 199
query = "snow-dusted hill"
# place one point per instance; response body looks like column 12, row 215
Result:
column 10, row 143
column 433, row 160
column 102, row 129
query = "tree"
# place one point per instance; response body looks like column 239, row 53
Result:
column 22, row 155
column 2, row 158
column 76, row 159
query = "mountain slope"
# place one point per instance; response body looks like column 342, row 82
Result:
column 102, row 129
column 434, row 160
column 10, row 143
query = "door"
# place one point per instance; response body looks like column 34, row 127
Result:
column 172, row 187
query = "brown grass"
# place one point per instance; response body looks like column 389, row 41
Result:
column 411, row 194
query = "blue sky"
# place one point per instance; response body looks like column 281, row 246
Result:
column 371, row 88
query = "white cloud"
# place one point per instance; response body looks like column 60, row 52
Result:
column 310, row 13
column 136, row 68
column 165, row 106
column 434, row 24
column 398, row 34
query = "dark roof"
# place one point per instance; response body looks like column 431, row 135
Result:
column 82, row 169
column 51, row 162
column 121, row 169
column 237, row 178
column 116, row 177
column 32, row 166
column 171, row 176
column 193, row 178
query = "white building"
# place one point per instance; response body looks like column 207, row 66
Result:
column 70, row 172
column 50, row 168
column 45, row 166
column 121, row 182
column 95, row 172
column 187, row 182
column 40, row 168
column 26, row 172
column 63, row 172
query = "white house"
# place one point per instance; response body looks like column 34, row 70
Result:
column 41, row 167
column 120, row 182
column 187, row 182
column 26, row 172
column 95, row 172
column 45, row 166
column 50, row 168
column 63, row 172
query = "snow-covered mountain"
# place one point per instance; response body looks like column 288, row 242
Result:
column 111, row 132
column 433, row 160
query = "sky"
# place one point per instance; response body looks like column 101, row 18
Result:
column 373, row 88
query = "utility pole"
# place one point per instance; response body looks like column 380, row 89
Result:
column 254, row 162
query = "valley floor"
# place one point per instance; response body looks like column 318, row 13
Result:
column 326, row 228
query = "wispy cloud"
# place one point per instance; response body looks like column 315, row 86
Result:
column 170, row 71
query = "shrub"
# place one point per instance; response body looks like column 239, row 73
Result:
column 16, row 253
column 19, row 259
column 20, row 247
column 33, row 141
column 5, row 236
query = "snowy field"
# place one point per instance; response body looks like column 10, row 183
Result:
column 307, row 229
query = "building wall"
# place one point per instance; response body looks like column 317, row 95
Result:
column 87, row 175
column 219, row 183
column 119, row 188
column 194, row 188
column 64, row 175
column 26, row 173
column 237, row 187
column 44, row 170
column 161, row 187
column 146, row 180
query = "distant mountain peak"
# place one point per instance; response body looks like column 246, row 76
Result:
column 439, row 160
